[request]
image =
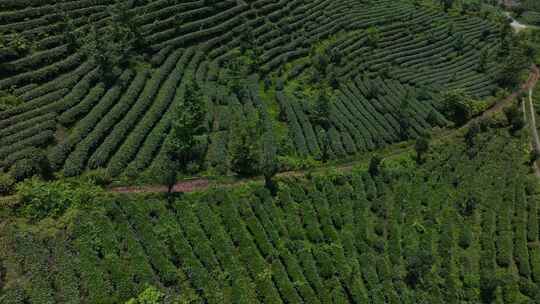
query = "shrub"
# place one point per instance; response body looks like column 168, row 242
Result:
column 40, row 199
column 457, row 106
column 34, row 164
column 418, row 266
column 374, row 165
column 8, row 101
column 151, row 295
column 6, row 184
column 99, row 177
column 466, row 237
column 245, row 148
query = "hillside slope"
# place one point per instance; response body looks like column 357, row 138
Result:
column 462, row 227
column 369, row 56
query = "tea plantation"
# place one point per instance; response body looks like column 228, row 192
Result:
column 268, row 151
column 460, row 228
column 95, row 81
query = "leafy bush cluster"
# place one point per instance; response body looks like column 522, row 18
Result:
column 40, row 199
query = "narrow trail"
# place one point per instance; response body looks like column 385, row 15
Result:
column 183, row 186
column 535, row 143
column 201, row 184
column 534, row 75
column 516, row 25
column 533, row 124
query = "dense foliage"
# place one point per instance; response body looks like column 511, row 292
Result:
column 146, row 91
column 454, row 228
column 95, row 83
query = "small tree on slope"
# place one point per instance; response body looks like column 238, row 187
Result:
column 187, row 127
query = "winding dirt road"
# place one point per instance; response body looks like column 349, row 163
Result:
column 534, row 75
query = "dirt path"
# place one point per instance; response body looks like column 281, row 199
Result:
column 516, row 25
column 183, row 186
column 200, row 184
column 534, row 75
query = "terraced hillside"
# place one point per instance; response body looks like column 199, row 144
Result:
column 461, row 228
column 373, row 58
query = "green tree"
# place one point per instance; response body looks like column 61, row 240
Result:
column 466, row 237
column 253, row 148
column 470, row 139
column 372, row 90
column 471, row 133
column 446, row 4
column 7, row 184
column 245, row 146
column 333, row 80
column 187, row 129
column 418, row 266
column 335, row 56
column 505, row 33
column 112, row 47
column 324, row 144
column 374, row 165
column 105, row 53
column 514, row 117
column 456, row 105
column 320, row 115
column 320, row 62
column 151, row 295
column 125, row 30
column 40, row 199
column 422, row 94
column 373, row 36
column 33, row 164
column 467, row 206
column 421, row 147
column 510, row 69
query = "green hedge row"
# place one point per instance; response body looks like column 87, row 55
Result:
column 88, row 145
column 83, row 107
column 121, row 130
column 73, row 164
column 153, row 114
